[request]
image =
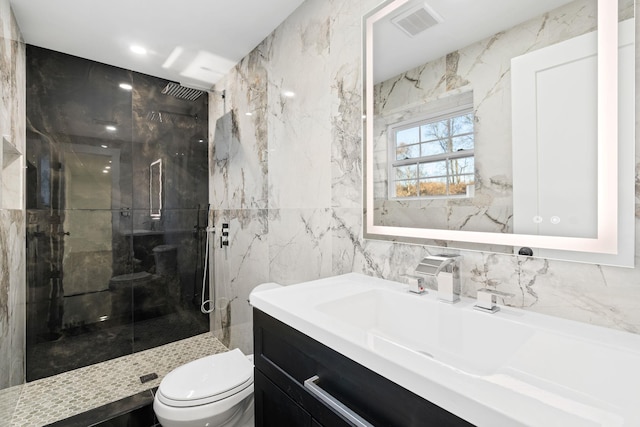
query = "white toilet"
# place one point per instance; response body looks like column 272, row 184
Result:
column 214, row 391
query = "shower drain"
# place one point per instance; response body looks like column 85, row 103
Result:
column 148, row 377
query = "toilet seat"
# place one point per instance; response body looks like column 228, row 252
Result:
column 206, row 380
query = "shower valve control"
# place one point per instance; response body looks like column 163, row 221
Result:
column 224, row 238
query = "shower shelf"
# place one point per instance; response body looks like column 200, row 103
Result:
column 11, row 175
column 10, row 152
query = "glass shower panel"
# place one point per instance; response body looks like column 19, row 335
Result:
column 107, row 275
column 78, row 197
column 170, row 169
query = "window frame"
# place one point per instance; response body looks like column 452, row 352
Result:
column 393, row 129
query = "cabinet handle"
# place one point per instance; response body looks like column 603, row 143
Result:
column 333, row 403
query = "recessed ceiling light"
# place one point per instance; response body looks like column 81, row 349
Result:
column 289, row 94
column 126, row 86
column 110, row 128
column 107, row 167
column 138, row 49
column 105, row 171
column 104, row 146
column 248, row 114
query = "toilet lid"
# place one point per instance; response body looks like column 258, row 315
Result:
column 206, row 380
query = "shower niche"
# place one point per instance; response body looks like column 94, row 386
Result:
column 11, row 166
column 117, row 189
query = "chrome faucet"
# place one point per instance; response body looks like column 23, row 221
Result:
column 487, row 300
column 444, row 271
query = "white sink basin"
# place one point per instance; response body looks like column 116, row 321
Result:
column 468, row 340
column 512, row 368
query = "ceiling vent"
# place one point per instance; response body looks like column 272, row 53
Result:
column 416, row 20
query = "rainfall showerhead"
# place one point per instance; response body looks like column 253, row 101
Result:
column 182, row 92
column 169, row 116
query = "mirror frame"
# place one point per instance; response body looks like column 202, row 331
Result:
column 607, row 176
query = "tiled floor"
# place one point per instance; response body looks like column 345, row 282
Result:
column 102, row 341
column 62, row 396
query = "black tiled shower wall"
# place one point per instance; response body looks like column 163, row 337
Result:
column 104, row 277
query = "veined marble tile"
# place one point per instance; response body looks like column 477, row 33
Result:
column 347, row 247
column 299, row 245
column 12, row 105
column 588, row 295
column 314, row 185
column 346, row 105
column 372, row 257
column 12, row 216
column 220, row 134
column 238, row 268
column 299, row 131
column 12, row 298
column 239, row 144
column 564, row 289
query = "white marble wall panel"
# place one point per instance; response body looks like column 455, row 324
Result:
column 239, row 139
column 346, row 105
column 12, row 223
column 314, row 218
column 299, row 129
column 238, row 268
column 12, row 298
column 299, row 244
column 12, row 107
column 220, row 125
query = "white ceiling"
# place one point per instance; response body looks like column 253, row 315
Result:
column 463, row 23
column 206, row 37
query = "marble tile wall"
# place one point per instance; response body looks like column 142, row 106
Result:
column 301, row 157
column 12, row 217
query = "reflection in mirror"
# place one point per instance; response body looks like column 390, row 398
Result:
column 155, row 189
column 489, row 125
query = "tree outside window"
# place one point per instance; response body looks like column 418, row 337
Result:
column 433, row 157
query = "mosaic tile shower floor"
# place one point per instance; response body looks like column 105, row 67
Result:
column 91, row 347
column 61, row 396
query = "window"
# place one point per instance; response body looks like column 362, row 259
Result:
column 433, row 157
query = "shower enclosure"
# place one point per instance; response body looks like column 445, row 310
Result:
column 117, row 190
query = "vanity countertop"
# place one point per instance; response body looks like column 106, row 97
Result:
column 511, row 368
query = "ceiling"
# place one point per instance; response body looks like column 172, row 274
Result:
column 193, row 42
column 463, row 22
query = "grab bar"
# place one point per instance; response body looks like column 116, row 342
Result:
column 333, row 403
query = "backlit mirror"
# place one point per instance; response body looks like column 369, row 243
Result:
column 496, row 125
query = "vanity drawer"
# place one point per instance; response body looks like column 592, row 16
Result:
column 274, row 408
column 288, row 358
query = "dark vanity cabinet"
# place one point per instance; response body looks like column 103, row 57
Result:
column 285, row 358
